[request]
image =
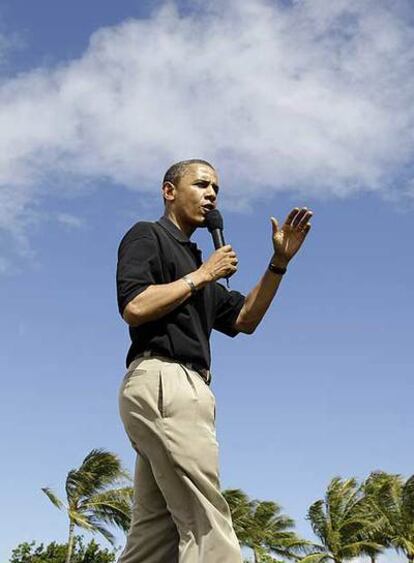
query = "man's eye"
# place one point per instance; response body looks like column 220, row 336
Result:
column 202, row 184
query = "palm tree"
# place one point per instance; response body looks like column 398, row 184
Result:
column 392, row 501
column 345, row 530
column 261, row 526
column 370, row 508
column 96, row 495
column 240, row 508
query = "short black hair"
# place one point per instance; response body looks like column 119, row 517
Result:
column 177, row 170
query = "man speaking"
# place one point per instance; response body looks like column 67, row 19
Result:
column 172, row 300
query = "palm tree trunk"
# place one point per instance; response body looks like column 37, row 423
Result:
column 256, row 556
column 70, row 541
column 373, row 559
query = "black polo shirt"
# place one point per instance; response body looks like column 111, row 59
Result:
column 159, row 253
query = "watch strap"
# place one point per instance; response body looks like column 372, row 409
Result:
column 277, row 269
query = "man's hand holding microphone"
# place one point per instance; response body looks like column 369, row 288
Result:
column 221, row 264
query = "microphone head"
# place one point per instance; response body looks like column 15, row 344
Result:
column 214, row 220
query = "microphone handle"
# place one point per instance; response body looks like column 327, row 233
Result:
column 218, row 239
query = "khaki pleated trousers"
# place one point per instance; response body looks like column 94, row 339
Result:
column 179, row 514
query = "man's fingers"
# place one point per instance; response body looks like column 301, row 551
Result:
column 275, row 225
column 291, row 216
column 233, row 257
column 304, row 220
column 299, row 216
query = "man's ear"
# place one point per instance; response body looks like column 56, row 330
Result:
column 168, row 190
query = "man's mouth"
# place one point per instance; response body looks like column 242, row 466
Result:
column 208, row 207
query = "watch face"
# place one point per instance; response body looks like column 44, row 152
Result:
column 190, row 283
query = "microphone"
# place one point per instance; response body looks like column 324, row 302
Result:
column 214, row 224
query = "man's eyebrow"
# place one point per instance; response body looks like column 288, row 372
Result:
column 206, row 182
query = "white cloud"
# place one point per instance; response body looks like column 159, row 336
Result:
column 315, row 96
column 70, row 221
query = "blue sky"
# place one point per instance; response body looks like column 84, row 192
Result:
column 92, row 114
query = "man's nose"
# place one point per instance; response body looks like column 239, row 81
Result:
column 211, row 193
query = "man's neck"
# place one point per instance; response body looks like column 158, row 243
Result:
column 186, row 229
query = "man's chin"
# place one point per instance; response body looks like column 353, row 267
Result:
column 199, row 222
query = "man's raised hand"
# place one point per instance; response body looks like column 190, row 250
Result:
column 288, row 239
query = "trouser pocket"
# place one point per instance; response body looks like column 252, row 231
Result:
column 169, row 391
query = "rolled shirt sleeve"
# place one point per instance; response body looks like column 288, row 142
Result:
column 228, row 306
column 139, row 265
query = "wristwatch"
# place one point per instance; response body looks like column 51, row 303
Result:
column 191, row 284
column 276, row 269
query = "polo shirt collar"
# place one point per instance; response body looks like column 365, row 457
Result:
column 174, row 230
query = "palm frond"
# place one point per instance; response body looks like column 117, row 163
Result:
column 98, row 470
column 241, row 509
column 54, row 499
column 408, row 498
column 90, row 523
column 106, row 466
column 80, row 520
column 340, row 496
column 98, row 528
column 359, row 548
column 318, row 520
column 316, row 558
column 71, row 486
column 113, row 507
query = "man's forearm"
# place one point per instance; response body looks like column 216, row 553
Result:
column 156, row 301
column 259, row 299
